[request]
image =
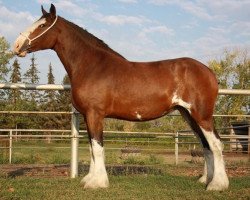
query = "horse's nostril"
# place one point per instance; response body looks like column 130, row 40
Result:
column 17, row 45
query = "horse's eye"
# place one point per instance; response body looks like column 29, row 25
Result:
column 42, row 25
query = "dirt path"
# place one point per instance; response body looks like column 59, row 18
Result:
column 64, row 170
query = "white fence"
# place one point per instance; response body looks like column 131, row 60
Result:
column 230, row 139
column 75, row 122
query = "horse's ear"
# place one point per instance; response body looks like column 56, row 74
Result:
column 43, row 11
column 52, row 10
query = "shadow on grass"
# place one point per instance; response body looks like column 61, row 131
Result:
column 59, row 170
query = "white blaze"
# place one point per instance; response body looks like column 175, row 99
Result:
column 24, row 35
column 33, row 27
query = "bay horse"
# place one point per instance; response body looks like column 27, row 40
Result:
column 106, row 85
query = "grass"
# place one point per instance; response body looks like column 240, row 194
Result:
column 37, row 152
column 122, row 187
column 166, row 185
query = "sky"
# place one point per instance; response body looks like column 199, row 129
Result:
column 140, row 30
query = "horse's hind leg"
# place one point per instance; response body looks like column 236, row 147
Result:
column 214, row 170
column 214, row 159
column 203, row 178
column 208, row 170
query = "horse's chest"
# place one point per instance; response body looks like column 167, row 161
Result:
column 84, row 99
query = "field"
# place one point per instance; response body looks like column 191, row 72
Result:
column 174, row 183
column 41, row 171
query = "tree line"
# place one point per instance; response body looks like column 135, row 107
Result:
column 232, row 70
column 30, row 100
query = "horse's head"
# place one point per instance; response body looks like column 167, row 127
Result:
column 40, row 35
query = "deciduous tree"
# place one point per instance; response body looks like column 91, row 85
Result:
column 233, row 72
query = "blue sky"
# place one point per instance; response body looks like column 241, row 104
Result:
column 140, row 30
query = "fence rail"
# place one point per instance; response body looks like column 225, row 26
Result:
column 75, row 122
column 22, row 86
column 69, row 113
column 175, row 137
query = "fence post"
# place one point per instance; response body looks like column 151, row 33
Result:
column 176, row 147
column 74, row 143
column 232, row 140
column 10, row 147
column 248, row 140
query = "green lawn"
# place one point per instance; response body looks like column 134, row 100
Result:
column 122, row 187
column 168, row 185
column 37, row 152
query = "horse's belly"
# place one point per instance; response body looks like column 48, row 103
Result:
column 142, row 110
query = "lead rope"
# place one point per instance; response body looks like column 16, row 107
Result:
column 38, row 36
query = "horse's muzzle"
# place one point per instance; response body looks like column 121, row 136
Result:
column 21, row 47
column 22, row 54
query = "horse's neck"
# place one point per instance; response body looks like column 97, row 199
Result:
column 73, row 51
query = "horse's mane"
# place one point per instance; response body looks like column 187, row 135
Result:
column 93, row 40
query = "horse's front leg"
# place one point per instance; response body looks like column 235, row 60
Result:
column 97, row 177
column 91, row 168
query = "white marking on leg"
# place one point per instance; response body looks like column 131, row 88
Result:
column 177, row 100
column 91, row 168
column 220, row 179
column 203, row 178
column 99, row 177
column 138, row 116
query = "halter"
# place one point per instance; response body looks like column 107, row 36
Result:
column 38, row 36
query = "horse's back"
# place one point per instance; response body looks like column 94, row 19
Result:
column 185, row 72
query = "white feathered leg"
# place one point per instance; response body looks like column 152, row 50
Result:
column 219, row 179
column 98, row 177
column 91, row 168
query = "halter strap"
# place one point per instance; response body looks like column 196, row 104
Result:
column 38, row 36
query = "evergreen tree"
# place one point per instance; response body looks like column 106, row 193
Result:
column 51, row 78
column 32, row 77
column 64, row 97
column 15, row 77
column 64, row 104
column 32, row 98
column 51, row 94
column 15, row 99
column 49, row 103
column 32, row 73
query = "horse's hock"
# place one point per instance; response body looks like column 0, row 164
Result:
column 197, row 156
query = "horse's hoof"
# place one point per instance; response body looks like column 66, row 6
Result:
column 94, row 183
column 203, row 179
column 218, row 185
column 85, row 179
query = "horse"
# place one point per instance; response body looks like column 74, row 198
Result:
column 107, row 85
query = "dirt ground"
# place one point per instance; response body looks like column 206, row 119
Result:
column 238, row 165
